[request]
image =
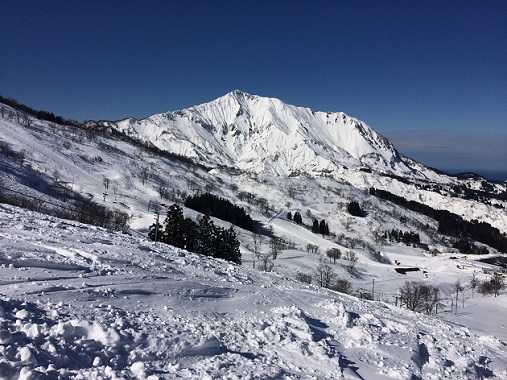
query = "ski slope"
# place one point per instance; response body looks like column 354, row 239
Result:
column 86, row 303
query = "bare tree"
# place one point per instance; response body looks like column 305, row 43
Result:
column 413, row 295
column 27, row 120
column 106, row 182
column 66, row 191
column 334, row 254
column 418, row 296
column 144, row 174
column 276, row 245
column 493, row 286
column 343, row 286
column 265, row 262
column 257, row 241
column 324, row 275
column 352, row 259
column 155, row 205
column 56, row 175
column 474, row 282
column 304, row 277
column 312, row 248
column 431, row 298
column 163, row 191
column 457, row 288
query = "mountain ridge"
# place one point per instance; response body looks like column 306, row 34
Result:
column 266, row 135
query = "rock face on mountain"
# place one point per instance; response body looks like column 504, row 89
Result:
column 265, row 135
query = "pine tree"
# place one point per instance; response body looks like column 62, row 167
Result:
column 174, row 228
column 315, row 226
column 154, row 233
column 191, row 237
column 219, row 244
column 206, row 231
column 323, row 227
column 232, row 252
column 354, row 209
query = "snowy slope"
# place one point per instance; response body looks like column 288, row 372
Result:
column 96, row 296
column 268, row 137
column 85, row 303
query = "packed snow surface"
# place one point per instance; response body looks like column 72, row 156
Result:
column 82, row 302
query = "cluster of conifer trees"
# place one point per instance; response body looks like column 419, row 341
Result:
column 297, row 218
column 317, row 227
column 320, row 227
column 222, row 209
column 451, row 224
column 408, row 238
column 200, row 237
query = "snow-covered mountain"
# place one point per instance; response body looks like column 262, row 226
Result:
column 265, row 135
column 79, row 301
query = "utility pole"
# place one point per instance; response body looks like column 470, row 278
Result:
column 156, row 225
column 457, row 294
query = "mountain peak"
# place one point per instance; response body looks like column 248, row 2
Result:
column 266, row 135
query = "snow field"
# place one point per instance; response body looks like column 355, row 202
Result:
column 162, row 313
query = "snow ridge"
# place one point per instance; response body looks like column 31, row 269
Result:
column 265, row 135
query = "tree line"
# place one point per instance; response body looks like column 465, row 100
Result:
column 406, row 237
column 200, row 237
column 41, row 115
column 451, row 224
column 222, row 209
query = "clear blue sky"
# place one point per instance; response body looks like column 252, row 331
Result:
column 429, row 75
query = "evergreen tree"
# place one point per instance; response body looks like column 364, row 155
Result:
column 174, row 228
column 289, row 215
column 206, row 230
column 315, row 226
column 354, row 209
column 323, row 227
column 232, row 246
column 191, row 235
column 153, row 231
column 298, row 218
column 220, row 208
column 219, row 243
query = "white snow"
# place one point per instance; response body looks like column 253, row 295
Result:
column 164, row 313
column 82, row 302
